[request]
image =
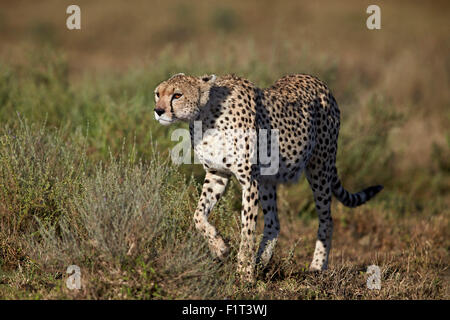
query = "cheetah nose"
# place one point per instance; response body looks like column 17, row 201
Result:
column 159, row 112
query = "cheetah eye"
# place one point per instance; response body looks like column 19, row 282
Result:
column 177, row 96
column 157, row 94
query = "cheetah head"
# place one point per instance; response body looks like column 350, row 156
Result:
column 181, row 97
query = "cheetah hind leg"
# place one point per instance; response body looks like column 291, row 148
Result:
column 268, row 200
column 317, row 177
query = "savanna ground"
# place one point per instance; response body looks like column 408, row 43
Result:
column 85, row 173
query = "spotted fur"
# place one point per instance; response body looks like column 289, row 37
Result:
column 302, row 111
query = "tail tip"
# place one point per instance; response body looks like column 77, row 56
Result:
column 373, row 190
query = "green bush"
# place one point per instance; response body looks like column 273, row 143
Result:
column 124, row 215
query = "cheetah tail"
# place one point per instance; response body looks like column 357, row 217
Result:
column 353, row 199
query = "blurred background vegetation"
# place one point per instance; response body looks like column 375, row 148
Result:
column 76, row 100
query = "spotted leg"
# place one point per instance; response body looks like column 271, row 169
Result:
column 213, row 188
column 268, row 199
column 246, row 256
column 318, row 176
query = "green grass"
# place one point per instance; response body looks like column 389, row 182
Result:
column 123, row 219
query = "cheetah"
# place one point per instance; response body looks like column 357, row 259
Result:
column 301, row 112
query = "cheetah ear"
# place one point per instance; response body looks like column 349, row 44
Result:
column 209, row 78
column 178, row 74
column 206, row 83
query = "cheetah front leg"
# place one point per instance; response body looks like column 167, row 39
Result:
column 246, row 257
column 213, row 188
